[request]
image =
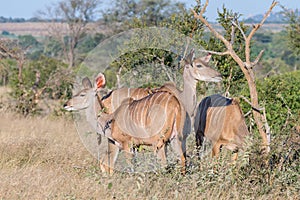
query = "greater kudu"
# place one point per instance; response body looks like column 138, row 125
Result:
column 221, row 121
column 153, row 120
column 194, row 70
column 98, row 109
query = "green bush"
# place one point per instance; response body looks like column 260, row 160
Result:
column 281, row 96
column 55, row 83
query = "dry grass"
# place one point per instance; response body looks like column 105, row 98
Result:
column 42, row 28
column 43, row 158
column 40, row 158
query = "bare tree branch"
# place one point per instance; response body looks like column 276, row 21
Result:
column 216, row 53
column 186, row 48
column 217, row 34
column 254, row 63
column 252, row 106
column 232, row 34
column 246, row 67
column 255, row 28
column 203, row 9
column 268, row 129
column 240, row 28
column 11, row 49
column 74, row 16
column 206, row 23
column 229, row 80
column 248, row 113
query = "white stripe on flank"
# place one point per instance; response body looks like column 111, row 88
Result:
column 142, row 118
column 138, row 94
column 167, row 102
column 157, row 96
column 112, row 102
column 163, row 99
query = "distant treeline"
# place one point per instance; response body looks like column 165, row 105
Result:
column 274, row 18
column 21, row 20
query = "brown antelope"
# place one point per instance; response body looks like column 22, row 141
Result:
column 154, row 121
column 220, row 120
column 88, row 99
column 98, row 109
column 194, row 70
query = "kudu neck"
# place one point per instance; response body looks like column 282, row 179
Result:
column 188, row 95
column 90, row 112
column 93, row 114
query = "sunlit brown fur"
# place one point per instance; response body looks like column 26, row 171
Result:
column 225, row 127
column 158, row 116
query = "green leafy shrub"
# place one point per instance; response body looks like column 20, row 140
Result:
column 281, row 95
column 46, row 79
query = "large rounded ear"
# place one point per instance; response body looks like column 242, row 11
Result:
column 86, row 83
column 206, row 58
column 100, row 81
column 190, row 57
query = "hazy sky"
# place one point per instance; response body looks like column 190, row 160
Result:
column 27, row 8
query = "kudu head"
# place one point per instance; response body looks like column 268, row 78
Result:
column 84, row 98
column 198, row 69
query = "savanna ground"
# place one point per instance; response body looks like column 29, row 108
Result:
column 43, row 158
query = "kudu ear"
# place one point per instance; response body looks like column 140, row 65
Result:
column 190, row 57
column 100, row 81
column 206, row 58
column 86, row 83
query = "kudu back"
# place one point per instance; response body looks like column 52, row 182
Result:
column 221, row 121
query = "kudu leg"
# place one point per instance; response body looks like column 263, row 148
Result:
column 162, row 155
column 234, row 156
column 199, row 142
column 129, row 155
column 176, row 145
column 110, row 158
column 216, row 149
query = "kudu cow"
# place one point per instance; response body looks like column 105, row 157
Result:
column 221, row 121
column 98, row 109
column 154, row 120
column 194, row 70
column 163, row 105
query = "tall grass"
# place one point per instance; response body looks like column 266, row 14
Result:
column 44, row 159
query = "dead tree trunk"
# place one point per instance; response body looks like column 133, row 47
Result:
column 246, row 67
